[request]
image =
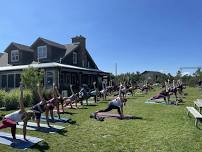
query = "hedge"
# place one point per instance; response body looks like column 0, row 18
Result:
column 2, row 95
column 10, row 100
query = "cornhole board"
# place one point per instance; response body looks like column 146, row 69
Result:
column 6, row 139
column 43, row 127
column 56, row 119
column 112, row 115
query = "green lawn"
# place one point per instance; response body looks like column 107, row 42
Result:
column 163, row 128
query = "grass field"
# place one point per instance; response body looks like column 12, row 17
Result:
column 163, row 128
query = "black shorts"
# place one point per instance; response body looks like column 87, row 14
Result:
column 51, row 107
column 38, row 116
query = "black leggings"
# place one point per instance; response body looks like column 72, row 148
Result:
column 110, row 107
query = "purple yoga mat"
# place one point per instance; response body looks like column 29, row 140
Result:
column 112, row 115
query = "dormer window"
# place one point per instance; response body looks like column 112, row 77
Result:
column 42, row 52
column 14, row 55
column 74, row 57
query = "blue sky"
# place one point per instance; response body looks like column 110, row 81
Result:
column 138, row 35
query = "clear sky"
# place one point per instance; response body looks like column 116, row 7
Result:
column 138, row 35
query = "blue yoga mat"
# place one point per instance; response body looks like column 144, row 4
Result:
column 43, row 127
column 6, row 139
column 62, row 120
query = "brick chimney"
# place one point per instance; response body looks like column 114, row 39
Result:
column 81, row 40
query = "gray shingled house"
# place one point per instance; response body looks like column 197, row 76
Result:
column 62, row 64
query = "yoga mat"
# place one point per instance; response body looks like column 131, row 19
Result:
column 160, row 102
column 111, row 115
column 60, row 111
column 6, row 139
column 43, row 127
column 154, row 102
column 62, row 120
column 107, row 115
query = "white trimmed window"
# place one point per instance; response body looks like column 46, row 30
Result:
column 41, row 52
column 74, row 57
column 14, row 56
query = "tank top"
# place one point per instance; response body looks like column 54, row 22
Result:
column 15, row 116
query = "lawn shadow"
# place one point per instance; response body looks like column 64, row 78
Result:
column 41, row 146
column 104, row 101
column 62, row 132
column 139, row 95
column 135, row 117
column 91, row 105
column 83, row 107
column 71, row 113
column 131, row 118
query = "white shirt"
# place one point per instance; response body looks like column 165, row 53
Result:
column 15, row 116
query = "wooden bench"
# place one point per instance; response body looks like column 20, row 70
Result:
column 195, row 113
column 198, row 104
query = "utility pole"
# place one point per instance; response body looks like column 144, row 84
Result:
column 115, row 69
column 116, row 73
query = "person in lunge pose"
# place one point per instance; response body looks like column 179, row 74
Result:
column 163, row 94
column 116, row 103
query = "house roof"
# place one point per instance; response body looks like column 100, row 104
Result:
column 4, row 60
column 49, row 42
column 47, row 65
column 70, row 47
column 20, row 47
column 92, row 59
column 151, row 72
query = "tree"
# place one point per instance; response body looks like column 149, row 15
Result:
column 198, row 73
column 30, row 77
column 179, row 74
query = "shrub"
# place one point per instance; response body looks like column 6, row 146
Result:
column 47, row 94
column 27, row 98
column 11, row 99
column 2, row 94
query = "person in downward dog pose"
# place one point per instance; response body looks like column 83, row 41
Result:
column 117, row 104
column 40, row 108
column 12, row 119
